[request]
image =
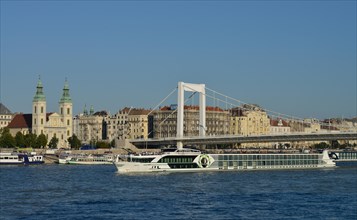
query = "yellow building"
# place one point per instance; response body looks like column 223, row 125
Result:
column 128, row 123
column 312, row 125
column 249, row 122
column 138, row 123
column 118, row 126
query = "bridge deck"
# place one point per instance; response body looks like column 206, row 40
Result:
column 246, row 139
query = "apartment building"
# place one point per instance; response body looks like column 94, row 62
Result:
column 165, row 121
column 249, row 121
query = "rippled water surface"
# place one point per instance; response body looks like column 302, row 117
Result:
column 98, row 192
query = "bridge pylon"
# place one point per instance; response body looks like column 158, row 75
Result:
column 200, row 88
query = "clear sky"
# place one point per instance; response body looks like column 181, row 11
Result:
column 294, row 57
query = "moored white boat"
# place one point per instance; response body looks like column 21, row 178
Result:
column 64, row 157
column 20, row 158
column 188, row 160
column 94, row 159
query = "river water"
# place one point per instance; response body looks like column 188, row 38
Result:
column 98, row 192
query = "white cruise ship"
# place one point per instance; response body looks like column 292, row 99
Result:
column 184, row 160
column 188, row 160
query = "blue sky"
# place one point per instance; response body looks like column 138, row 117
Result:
column 294, row 57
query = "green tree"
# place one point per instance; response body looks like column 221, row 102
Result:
column 53, row 143
column 112, row 143
column 74, row 142
column 102, row 144
column 335, row 144
column 41, row 141
column 20, row 139
column 321, row 146
column 6, row 139
column 30, row 140
column 3, row 131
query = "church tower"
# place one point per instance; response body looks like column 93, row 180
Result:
column 39, row 110
column 65, row 105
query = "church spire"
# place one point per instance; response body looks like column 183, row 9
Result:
column 91, row 111
column 85, row 112
column 66, row 98
column 39, row 96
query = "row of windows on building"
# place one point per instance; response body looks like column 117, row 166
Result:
column 35, row 121
column 4, row 123
column 54, row 135
column 5, row 116
column 68, row 111
column 42, row 110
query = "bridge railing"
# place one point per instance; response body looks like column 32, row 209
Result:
column 294, row 134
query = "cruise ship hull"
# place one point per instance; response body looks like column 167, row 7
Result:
column 128, row 167
column 222, row 162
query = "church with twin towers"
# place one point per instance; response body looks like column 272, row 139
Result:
column 59, row 125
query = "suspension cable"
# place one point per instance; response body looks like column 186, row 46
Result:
column 162, row 101
column 172, row 112
column 271, row 112
column 267, row 110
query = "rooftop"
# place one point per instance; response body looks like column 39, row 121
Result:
column 21, row 121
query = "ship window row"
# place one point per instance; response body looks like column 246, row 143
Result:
column 9, row 158
column 183, row 166
column 348, row 155
column 177, row 159
column 142, row 160
column 267, row 163
column 85, row 159
column 268, row 157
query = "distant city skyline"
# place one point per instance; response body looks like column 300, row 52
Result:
column 293, row 57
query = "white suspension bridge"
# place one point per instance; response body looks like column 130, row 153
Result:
column 179, row 140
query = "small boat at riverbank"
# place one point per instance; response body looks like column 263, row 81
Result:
column 91, row 159
column 20, row 159
column 188, row 160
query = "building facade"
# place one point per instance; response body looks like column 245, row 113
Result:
column 52, row 124
column 58, row 125
column 118, row 125
column 129, row 123
column 138, row 124
column 165, row 121
column 312, row 125
column 249, row 122
column 279, row 126
column 91, row 127
column 5, row 116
